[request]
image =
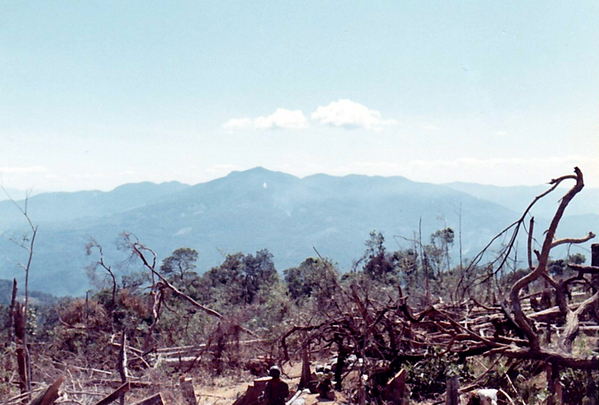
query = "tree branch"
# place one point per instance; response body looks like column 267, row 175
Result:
column 541, row 268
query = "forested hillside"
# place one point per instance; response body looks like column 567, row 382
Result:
column 528, row 332
column 246, row 212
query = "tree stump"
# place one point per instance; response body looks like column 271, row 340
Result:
column 453, row 397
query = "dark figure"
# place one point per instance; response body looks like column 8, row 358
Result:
column 325, row 389
column 276, row 391
column 546, row 299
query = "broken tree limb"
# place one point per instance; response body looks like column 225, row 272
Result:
column 155, row 399
column 115, row 395
column 558, row 242
column 49, row 395
column 374, row 331
column 21, row 398
column 122, row 364
column 117, row 383
column 573, row 321
column 529, row 242
column 564, row 360
column 122, row 359
column 137, row 248
column 584, row 269
column 519, row 316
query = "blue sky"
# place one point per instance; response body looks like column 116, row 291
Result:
column 94, row 94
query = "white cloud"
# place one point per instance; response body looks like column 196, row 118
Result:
column 501, row 133
column 350, row 115
column 343, row 113
column 238, row 124
column 280, row 119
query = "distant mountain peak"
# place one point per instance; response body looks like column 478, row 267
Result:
column 150, row 185
column 257, row 170
column 256, row 209
column 260, row 172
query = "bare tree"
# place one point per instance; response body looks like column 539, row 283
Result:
column 376, row 328
column 159, row 283
column 91, row 245
column 27, row 243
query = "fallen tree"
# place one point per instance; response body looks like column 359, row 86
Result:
column 386, row 333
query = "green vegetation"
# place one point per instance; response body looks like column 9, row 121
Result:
column 528, row 331
column 247, row 291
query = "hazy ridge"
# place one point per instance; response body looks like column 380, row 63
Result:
column 257, row 209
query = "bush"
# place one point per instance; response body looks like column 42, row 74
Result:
column 429, row 376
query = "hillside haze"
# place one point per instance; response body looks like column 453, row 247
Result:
column 252, row 210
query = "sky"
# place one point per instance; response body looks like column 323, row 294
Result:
column 95, row 94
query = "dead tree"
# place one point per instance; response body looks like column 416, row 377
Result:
column 385, row 332
column 160, row 284
column 91, row 270
column 27, row 243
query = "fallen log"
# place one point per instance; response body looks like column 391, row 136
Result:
column 49, row 395
column 115, row 395
column 155, row 399
column 187, row 351
column 119, row 383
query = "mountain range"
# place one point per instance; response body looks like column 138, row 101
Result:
column 261, row 209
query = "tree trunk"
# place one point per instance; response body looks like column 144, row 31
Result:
column 453, row 398
column 19, row 320
column 188, row 390
column 595, row 262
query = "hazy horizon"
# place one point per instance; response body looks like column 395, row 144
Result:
column 98, row 94
column 20, row 192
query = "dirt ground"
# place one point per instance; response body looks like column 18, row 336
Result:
column 225, row 391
